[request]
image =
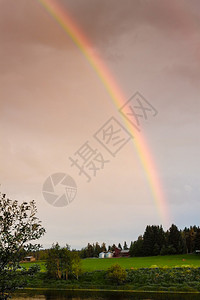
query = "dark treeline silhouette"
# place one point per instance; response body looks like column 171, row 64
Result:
column 154, row 241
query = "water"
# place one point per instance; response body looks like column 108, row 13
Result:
column 86, row 295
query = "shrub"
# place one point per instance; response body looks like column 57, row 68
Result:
column 116, row 274
column 34, row 269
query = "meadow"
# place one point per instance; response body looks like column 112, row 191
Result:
column 170, row 261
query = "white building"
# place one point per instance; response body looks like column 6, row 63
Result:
column 102, row 255
column 108, row 255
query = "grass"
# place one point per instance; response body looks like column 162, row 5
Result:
column 93, row 264
column 174, row 279
column 41, row 263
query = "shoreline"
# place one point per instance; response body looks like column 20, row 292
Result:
column 107, row 290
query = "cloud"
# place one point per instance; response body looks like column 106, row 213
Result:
column 104, row 21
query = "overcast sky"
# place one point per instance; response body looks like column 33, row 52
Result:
column 52, row 102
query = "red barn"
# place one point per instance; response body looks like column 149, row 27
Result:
column 125, row 253
column 121, row 253
column 117, row 252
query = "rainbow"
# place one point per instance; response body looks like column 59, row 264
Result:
column 70, row 27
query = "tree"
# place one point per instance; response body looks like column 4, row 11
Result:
column 197, row 240
column 62, row 263
column 83, row 253
column 75, row 265
column 103, row 247
column 119, row 246
column 58, row 262
column 116, row 274
column 19, row 226
column 90, row 250
column 136, row 248
column 175, row 240
column 154, row 240
column 125, row 246
column 112, row 248
column 148, row 241
column 97, row 249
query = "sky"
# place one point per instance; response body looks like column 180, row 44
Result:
column 52, row 102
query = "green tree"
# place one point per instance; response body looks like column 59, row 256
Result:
column 148, row 241
column 90, row 250
column 119, row 246
column 58, row 262
column 103, row 247
column 116, row 274
column 62, row 263
column 153, row 240
column 136, row 248
column 175, row 240
column 112, row 248
column 75, row 265
column 197, row 240
column 125, row 246
column 19, row 226
column 83, row 253
column 97, row 249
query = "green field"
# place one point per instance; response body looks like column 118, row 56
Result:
column 92, row 264
column 41, row 263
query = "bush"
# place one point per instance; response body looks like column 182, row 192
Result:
column 116, row 274
column 34, row 269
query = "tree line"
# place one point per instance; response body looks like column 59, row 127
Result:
column 91, row 250
column 155, row 241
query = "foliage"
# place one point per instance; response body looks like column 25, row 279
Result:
column 119, row 246
column 136, row 248
column 34, row 269
column 18, row 227
column 163, row 275
column 125, row 247
column 116, row 274
column 197, row 240
column 175, row 239
column 153, row 240
column 62, row 263
column 172, row 272
column 75, row 267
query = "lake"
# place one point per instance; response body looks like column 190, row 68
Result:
column 87, row 295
